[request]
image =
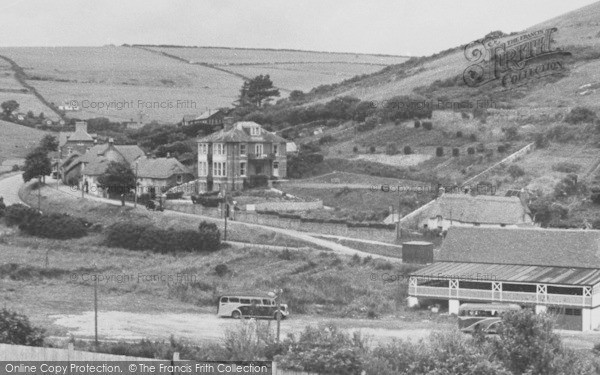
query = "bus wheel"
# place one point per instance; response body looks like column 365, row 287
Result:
column 278, row 315
column 236, row 315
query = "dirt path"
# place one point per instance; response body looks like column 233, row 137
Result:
column 202, row 327
column 9, row 188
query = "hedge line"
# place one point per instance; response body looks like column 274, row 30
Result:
column 53, row 225
column 142, row 237
column 351, row 224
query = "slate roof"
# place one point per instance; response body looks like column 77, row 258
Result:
column 77, row 136
column 484, row 209
column 129, row 152
column 241, row 133
column 160, row 168
column 522, row 246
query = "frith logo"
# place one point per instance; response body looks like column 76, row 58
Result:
column 515, row 61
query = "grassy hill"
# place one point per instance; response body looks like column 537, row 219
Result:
column 17, row 140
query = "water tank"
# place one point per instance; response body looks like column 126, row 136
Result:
column 417, row 252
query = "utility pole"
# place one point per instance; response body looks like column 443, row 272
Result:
column 278, row 299
column 40, row 194
column 135, row 194
column 96, row 309
column 226, row 213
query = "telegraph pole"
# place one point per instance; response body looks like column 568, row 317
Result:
column 278, row 298
column 40, row 193
column 96, row 309
column 136, row 185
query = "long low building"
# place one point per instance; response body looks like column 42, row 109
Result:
column 551, row 270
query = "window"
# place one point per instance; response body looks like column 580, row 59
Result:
column 219, row 169
column 202, row 168
column 275, row 149
column 256, row 302
column 69, row 150
column 203, row 148
column 218, row 149
column 258, row 149
column 224, row 299
column 242, row 149
column 255, row 130
column 245, row 300
column 266, row 302
column 179, row 178
column 242, row 169
column 234, row 299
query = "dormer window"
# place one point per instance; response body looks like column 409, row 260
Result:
column 255, row 130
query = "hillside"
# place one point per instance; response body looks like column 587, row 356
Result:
column 16, row 140
column 124, row 83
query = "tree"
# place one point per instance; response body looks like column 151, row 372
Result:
column 37, row 164
column 257, row 91
column 17, row 330
column 118, row 178
column 9, row 106
column 297, row 96
column 49, row 143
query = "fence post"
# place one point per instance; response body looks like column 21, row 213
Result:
column 70, row 350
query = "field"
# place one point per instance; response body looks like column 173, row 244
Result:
column 131, row 82
column 16, row 140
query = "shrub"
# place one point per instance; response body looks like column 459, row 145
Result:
column 567, row 186
column 369, row 124
column 221, row 270
column 124, row 234
column 355, row 149
column 471, row 151
column 417, row 124
column 595, row 198
column 328, row 138
column 175, row 195
column 465, row 115
column 455, row 152
column 15, row 329
column 459, row 134
column 566, row 167
column 473, row 138
column 501, row 149
column 515, row 171
column 258, row 180
column 372, row 149
column 541, row 140
column 439, row 152
column 480, row 148
column 407, row 150
column 54, row 225
column 391, row 149
column 15, row 168
column 581, row 115
column 511, row 133
column 18, row 214
column 427, row 125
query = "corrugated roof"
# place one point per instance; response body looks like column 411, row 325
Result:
column 510, row 273
column 484, row 209
column 161, row 168
column 522, row 246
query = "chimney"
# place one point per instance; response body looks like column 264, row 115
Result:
column 111, row 141
column 168, row 155
column 228, row 122
column 81, row 126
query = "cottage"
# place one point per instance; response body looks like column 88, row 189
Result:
column 77, row 142
column 156, row 175
column 481, row 210
column 244, row 149
column 212, row 119
column 548, row 270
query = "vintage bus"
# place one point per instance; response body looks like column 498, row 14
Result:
column 250, row 306
column 484, row 316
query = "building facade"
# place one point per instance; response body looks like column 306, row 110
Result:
column 229, row 157
column 547, row 270
column 77, row 142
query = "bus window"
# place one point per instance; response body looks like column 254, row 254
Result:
column 234, row 300
column 256, row 302
column 266, row 302
column 245, row 301
column 224, row 299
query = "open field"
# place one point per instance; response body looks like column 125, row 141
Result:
column 17, row 140
column 232, row 56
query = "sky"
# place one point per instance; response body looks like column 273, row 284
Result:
column 397, row 27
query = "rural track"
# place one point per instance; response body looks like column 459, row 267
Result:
column 21, row 77
column 206, row 65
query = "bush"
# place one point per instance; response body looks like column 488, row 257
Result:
column 124, row 234
column 427, row 125
column 372, row 149
column 355, row 149
column 439, row 152
column 15, row 168
column 566, row 167
column 541, row 140
column 221, row 270
column 515, row 171
column 459, row 134
column 369, row 124
column 54, row 225
column 501, row 149
column 511, row 133
column 455, row 152
column 473, row 138
column 471, row 151
column 19, row 214
column 567, row 186
column 480, row 148
column 15, row 329
column 391, row 149
column 581, row 115
column 175, row 195
column 417, row 124
column 328, row 138
column 407, row 150
column 258, row 180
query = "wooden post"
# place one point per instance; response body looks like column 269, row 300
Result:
column 96, row 310
column 136, row 185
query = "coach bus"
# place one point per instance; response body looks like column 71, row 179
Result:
column 250, row 306
column 484, row 316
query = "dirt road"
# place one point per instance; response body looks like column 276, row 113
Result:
column 203, row 327
column 9, row 188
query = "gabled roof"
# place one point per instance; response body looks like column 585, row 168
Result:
column 96, row 167
column 241, row 133
column 76, row 136
column 160, row 168
column 129, row 152
column 524, row 246
column 208, row 114
column 484, row 209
